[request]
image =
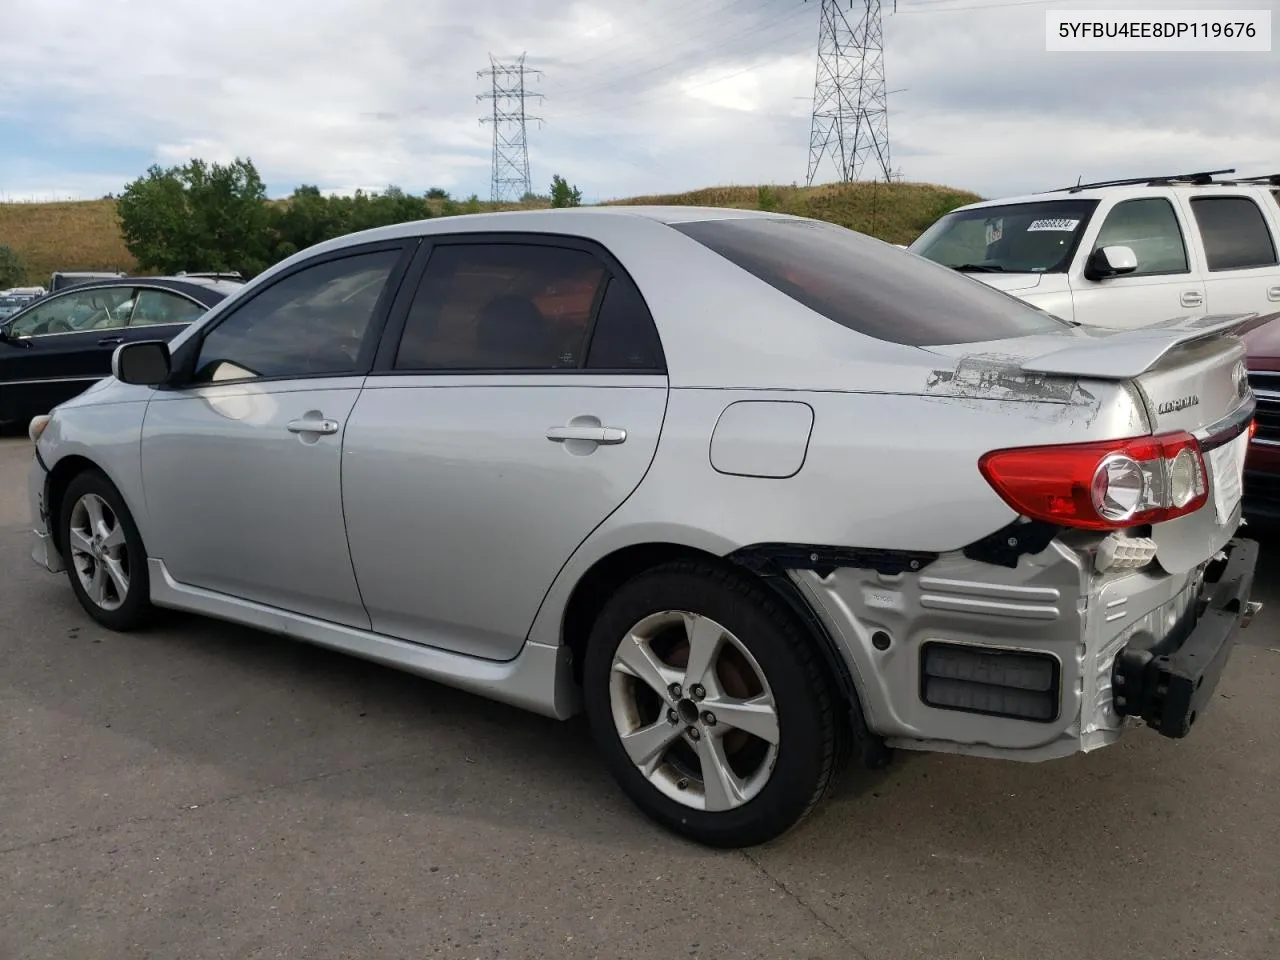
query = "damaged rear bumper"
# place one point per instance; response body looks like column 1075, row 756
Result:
column 1168, row 682
column 1030, row 656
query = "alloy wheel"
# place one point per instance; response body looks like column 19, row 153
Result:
column 99, row 552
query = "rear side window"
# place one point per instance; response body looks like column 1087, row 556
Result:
column 869, row 286
column 1234, row 232
column 624, row 337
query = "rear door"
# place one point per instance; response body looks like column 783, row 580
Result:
column 1168, row 282
column 516, row 402
column 160, row 315
column 1240, row 248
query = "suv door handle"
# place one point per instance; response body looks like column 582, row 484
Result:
column 312, row 425
column 1191, row 298
column 594, row 434
column 1273, row 293
column 109, row 341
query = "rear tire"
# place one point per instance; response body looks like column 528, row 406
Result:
column 729, row 756
column 104, row 556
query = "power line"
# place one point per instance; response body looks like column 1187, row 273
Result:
column 850, row 120
column 510, row 177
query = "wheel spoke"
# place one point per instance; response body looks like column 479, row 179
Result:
column 98, row 585
column 705, row 637
column 636, row 659
column 647, row 745
column 756, row 716
column 80, row 542
column 97, row 523
column 720, row 785
column 115, row 538
column 118, row 578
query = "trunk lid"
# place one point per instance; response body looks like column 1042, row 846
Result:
column 1190, row 375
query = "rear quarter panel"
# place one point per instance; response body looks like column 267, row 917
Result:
column 882, row 471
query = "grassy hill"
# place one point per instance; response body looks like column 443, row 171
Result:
column 86, row 235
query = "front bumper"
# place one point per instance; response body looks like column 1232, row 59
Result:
column 1037, row 659
column 43, row 550
column 1168, row 682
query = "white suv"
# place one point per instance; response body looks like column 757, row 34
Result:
column 1124, row 253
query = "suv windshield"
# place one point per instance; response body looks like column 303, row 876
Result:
column 869, row 286
column 1038, row 237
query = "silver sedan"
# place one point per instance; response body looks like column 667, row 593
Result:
column 760, row 494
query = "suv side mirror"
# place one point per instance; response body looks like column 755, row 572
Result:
column 1110, row 262
column 145, row 363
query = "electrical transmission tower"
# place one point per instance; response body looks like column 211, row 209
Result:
column 510, row 144
column 850, row 121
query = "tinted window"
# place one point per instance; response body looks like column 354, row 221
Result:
column 311, row 323
column 624, row 337
column 1150, row 228
column 869, row 286
column 160, row 306
column 103, row 308
column 1234, row 233
column 1012, row 238
column 501, row 306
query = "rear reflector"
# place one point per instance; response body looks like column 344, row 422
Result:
column 1102, row 486
column 998, row 683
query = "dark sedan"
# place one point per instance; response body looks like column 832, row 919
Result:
column 58, row 346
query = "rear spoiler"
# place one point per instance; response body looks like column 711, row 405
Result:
column 1126, row 354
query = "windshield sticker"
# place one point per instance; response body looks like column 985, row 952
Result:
column 995, row 230
column 1061, row 226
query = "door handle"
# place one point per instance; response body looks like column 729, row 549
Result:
column 109, row 341
column 312, row 425
column 1273, row 293
column 594, row 434
column 1191, row 298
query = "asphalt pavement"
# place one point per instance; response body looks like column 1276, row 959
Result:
column 206, row 791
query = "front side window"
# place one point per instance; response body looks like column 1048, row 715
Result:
column 501, row 306
column 106, row 308
column 1234, row 233
column 868, row 286
column 160, row 306
column 1011, row 238
column 1149, row 227
column 313, row 322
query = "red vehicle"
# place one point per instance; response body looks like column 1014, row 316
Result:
column 1262, row 468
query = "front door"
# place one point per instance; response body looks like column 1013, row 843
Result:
column 241, row 465
column 1167, row 283
column 520, row 408
column 59, row 348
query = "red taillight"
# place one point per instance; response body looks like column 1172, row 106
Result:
column 1102, row 486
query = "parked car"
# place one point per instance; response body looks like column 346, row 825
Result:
column 54, row 347
column 10, row 305
column 1128, row 253
column 758, row 493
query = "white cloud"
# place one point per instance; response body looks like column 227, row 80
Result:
column 640, row 97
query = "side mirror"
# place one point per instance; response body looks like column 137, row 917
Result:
column 1110, row 262
column 145, row 363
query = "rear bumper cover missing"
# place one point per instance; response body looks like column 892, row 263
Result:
column 1168, row 683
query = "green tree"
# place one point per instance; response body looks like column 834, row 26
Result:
column 563, row 195
column 12, row 269
column 200, row 216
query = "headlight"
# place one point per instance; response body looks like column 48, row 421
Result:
column 37, row 426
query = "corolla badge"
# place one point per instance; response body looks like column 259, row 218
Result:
column 1173, row 406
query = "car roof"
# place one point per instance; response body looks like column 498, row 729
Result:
column 1122, row 191
column 208, row 292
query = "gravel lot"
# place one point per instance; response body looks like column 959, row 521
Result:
column 208, row 791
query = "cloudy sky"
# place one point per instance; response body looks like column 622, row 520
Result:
column 640, row 96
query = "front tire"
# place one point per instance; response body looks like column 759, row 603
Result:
column 710, row 705
column 105, row 559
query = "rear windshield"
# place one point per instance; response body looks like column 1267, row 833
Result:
column 868, row 286
column 1038, row 237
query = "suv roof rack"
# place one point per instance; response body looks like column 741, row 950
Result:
column 1270, row 179
column 1199, row 179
